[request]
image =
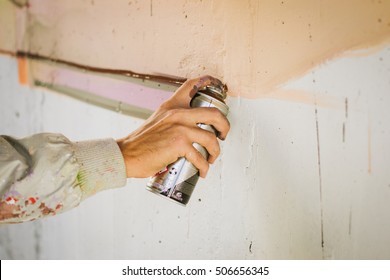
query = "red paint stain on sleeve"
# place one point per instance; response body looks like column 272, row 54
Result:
column 11, row 200
column 32, row 200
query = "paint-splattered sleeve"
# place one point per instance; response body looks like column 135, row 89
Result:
column 46, row 174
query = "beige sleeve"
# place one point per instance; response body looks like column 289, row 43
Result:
column 46, row 174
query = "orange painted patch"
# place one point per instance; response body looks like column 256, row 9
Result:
column 23, row 71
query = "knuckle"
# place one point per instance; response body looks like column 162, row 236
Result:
column 192, row 81
column 217, row 149
column 179, row 140
column 167, row 105
column 216, row 113
column 173, row 115
column 206, row 77
column 164, row 105
column 191, row 156
column 205, row 167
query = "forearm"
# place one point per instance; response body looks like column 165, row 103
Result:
column 46, row 174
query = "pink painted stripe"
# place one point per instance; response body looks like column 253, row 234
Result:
column 119, row 90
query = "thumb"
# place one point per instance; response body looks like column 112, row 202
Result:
column 184, row 94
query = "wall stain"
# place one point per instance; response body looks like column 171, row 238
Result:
column 343, row 132
column 6, row 243
column 37, row 239
column 20, row 4
column 320, row 179
column 346, row 117
column 350, row 222
column 369, row 150
column 7, row 52
column 22, row 55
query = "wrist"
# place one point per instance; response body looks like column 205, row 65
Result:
column 101, row 166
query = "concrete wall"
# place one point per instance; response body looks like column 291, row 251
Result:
column 304, row 171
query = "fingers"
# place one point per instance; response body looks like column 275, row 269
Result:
column 209, row 116
column 184, row 94
column 202, row 82
column 207, row 140
column 193, row 156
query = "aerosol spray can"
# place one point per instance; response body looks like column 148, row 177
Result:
column 177, row 181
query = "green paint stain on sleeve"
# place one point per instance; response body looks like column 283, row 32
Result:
column 80, row 179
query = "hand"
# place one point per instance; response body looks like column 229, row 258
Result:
column 170, row 132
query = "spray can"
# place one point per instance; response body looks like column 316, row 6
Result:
column 177, row 181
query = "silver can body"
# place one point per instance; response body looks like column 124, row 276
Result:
column 177, row 181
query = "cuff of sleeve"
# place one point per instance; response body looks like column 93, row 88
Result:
column 101, row 166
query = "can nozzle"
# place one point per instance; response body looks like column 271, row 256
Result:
column 219, row 91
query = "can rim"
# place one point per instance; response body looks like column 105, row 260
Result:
column 218, row 91
column 215, row 101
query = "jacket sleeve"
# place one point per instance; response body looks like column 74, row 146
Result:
column 45, row 174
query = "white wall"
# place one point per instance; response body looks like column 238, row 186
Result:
column 303, row 173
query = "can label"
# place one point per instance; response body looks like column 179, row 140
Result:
column 176, row 181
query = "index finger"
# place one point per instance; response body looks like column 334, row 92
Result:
column 183, row 96
column 205, row 115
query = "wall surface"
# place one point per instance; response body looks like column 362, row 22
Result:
column 304, row 171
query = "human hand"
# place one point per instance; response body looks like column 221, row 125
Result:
column 170, row 132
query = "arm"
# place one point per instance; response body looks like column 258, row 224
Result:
column 46, row 174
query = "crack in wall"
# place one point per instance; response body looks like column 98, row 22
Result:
column 37, row 240
column 320, row 179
